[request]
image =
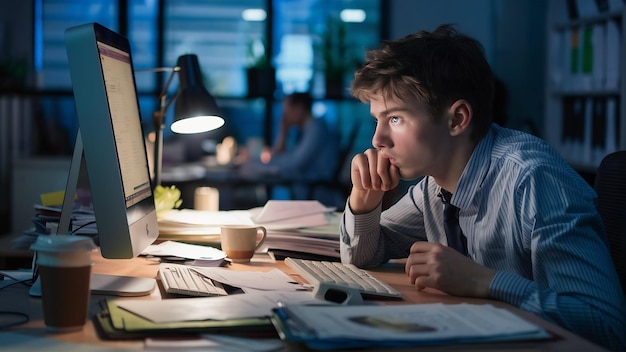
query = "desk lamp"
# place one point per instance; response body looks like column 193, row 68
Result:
column 196, row 110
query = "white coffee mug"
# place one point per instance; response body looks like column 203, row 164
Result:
column 239, row 242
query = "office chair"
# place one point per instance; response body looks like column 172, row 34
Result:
column 610, row 184
column 344, row 158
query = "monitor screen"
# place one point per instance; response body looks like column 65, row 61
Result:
column 120, row 89
column 112, row 139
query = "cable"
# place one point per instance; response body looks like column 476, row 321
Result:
column 10, row 319
column 26, row 282
column 18, row 317
column 83, row 225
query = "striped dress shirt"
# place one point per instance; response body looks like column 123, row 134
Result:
column 527, row 214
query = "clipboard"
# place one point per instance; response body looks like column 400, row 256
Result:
column 115, row 323
column 391, row 326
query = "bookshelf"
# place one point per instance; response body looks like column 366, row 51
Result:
column 585, row 117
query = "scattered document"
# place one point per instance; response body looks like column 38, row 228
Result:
column 291, row 214
column 184, row 250
column 401, row 325
column 247, row 305
column 249, row 281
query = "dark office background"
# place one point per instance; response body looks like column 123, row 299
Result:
column 33, row 52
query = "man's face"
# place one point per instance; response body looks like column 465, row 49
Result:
column 292, row 113
column 409, row 137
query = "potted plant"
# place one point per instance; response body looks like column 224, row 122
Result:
column 260, row 74
column 337, row 57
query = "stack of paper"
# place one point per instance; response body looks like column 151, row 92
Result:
column 46, row 220
column 189, row 224
column 325, row 327
column 299, row 227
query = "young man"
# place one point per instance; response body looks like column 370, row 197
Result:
column 531, row 235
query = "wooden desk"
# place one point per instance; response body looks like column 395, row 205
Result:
column 16, row 298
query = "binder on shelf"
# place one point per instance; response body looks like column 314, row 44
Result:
column 573, row 123
column 573, row 60
column 598, row 138
column 612, row 125
column 585, row 156
column 586, row 59
column 558, row 47
column 612, row 60
column 598, row 68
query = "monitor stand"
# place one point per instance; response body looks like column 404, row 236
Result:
column 100, row 283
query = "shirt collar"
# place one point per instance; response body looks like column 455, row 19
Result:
column 475, row 171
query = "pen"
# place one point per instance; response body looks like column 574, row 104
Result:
column 296, row 326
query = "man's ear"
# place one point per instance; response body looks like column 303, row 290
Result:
column 461, row 115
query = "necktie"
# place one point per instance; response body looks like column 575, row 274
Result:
column 455, row 236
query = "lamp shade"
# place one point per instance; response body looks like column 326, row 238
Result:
column 196, row 110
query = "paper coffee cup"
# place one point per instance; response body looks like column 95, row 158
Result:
column 64, row 264
column 207, row 198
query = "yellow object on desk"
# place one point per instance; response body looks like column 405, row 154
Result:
column 166, row 198
column 52, row 198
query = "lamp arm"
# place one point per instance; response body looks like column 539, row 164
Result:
column 163, row 95
column 159, row 122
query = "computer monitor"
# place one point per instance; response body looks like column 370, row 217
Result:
column 110, row 141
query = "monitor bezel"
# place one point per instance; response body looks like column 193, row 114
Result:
column 122, row 232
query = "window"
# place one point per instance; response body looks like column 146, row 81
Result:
column 290, row 32
column 52, row 18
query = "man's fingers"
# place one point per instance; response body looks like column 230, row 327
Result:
column 422, row 247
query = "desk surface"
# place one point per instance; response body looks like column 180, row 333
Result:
column 16, row 298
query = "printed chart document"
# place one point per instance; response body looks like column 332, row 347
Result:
column 400, row 325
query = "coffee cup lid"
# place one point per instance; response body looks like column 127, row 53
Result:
column 63, row 243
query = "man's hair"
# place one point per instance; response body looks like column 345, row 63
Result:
column 434, row 68
column 303, row 99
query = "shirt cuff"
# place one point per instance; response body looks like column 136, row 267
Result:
column 510, row 288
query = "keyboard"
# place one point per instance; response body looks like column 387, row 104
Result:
column 184, row 280
column 349, row 275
